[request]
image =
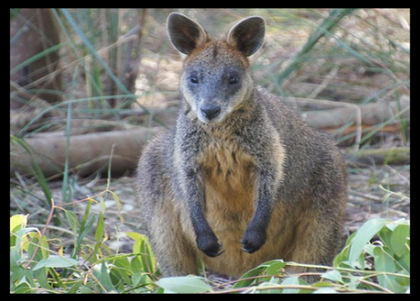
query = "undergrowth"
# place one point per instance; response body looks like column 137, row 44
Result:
column 375, row 259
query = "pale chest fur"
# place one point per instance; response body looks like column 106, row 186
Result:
column 230, row 183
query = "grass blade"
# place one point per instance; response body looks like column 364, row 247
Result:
column 93, row 51
column 327, row 25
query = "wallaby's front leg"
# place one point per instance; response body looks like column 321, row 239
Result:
column 206, row 240
column 256, row 232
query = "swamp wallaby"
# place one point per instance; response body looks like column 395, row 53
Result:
column 241, row 179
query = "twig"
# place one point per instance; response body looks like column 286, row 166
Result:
column 324, row 83
column 42, row 233
column 363, row 195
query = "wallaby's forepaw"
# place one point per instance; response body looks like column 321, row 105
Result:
column 253, row 240
column 208, row 244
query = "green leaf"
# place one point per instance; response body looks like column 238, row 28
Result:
column 119, row 205
column 134, row 235
column 122, row 269
column 399, row 239
column 18, row 222
column 268, row 287
column 385, row 234
column 294, row 280
column 55, row 262
column 183, row 284
column 385, row 262
column 271, row 268
column 390, row 283
column 146, row 259
column 15, row 257
column 392, row 225
column 247, row 277
column 136, row 265
column 141, row 279
column 100, row 228
column 274, row 267
column 404, row 262
column 38, row 243
column 137, row 246
column 326, row 290
column 75, row 287
column 21, row 275
column 23, row 288
column 101, row 272
column 384, row 259
column 72, row 219
column 20, row 242
column 84, row 229
column 362, row 237
column 341, row 260
column 333, row 275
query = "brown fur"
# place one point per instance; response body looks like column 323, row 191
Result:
column 241, row 179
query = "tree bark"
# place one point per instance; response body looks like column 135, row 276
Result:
column 34, row 31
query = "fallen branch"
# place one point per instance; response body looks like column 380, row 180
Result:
column 380, row 156
column 371, row 114
column 87, row 154
column 353, row 121
column 90, row 153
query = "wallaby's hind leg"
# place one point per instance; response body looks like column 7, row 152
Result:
column 160, row 215
column 172, row 250
column 318, row 237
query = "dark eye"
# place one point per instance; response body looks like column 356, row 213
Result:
column 233, row 80
column 193, row 79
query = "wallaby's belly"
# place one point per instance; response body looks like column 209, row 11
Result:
column 230, row 186
column 229, row 225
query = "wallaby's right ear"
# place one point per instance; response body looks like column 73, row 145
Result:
column 185, row 34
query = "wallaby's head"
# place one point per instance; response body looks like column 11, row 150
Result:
column 217, row 76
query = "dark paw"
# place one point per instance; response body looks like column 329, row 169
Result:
column 208, row 244
column 253, row 240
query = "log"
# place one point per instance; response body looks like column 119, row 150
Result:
column 380, row 156
column 352, row 122
column 371, row 114
column 88, row 154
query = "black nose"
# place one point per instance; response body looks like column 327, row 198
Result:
column 210, row 111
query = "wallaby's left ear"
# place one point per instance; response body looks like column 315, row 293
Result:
column 247, row 35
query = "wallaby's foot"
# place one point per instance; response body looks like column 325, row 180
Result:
column 207, row 242
column 253, row 240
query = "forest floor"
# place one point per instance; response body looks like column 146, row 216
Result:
column 375, row 191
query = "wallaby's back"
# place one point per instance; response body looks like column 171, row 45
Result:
column 241, row 179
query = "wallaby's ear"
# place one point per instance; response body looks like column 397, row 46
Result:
column 185, row 34
column 247, row 35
